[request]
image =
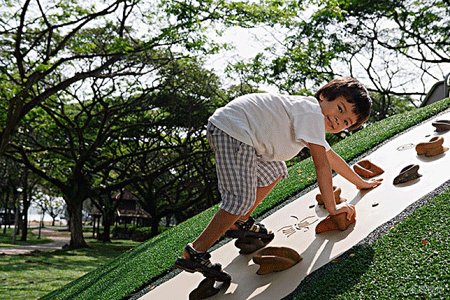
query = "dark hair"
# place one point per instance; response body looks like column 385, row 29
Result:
column 354, row 92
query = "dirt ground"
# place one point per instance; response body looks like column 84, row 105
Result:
column 59, row 237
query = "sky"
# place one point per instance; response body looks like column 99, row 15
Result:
column 249, row 42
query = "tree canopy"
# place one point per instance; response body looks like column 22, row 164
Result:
column 99, row 96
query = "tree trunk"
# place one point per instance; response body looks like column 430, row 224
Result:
column 106, row 236
column 76, row 225
column 16, row 223
column 155, row 224
column 26, row 206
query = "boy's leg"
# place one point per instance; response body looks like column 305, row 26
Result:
column 261, row 193
column 220, row 223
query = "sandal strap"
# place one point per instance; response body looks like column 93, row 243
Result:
column 245, row 225
column 250, row 225
column 200, row 257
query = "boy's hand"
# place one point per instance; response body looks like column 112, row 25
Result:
column 345, row 207
column 372, row 183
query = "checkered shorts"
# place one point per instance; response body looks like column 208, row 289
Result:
column 240, row 171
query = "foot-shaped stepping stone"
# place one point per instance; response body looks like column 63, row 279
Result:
column 408, row 173
column 336, row 222
column 275, row 259
column 250, row 244
column 337, row 196
column 367, row 169
column 431, row 148
column 441, row 125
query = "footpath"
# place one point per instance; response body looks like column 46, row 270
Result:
column 60, row 238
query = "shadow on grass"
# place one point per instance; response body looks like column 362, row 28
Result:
column 336, row 277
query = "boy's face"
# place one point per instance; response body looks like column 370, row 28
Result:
column 338, row 114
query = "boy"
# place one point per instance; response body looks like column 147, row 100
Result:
column 252, row 136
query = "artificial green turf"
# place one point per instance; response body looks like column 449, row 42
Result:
column 154, row 258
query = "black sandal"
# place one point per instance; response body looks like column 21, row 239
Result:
column 199, row 262
column 250, row 229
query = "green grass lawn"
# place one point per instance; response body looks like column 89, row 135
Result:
column 32, row 239
column 35, row 275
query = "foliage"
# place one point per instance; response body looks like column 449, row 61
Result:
column 393, row 47
column 134, row 266
column 92, row 90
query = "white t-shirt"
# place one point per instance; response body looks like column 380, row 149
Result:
column 278, row 126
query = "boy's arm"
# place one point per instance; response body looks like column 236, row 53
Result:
column 343, row 169
column 325, row 182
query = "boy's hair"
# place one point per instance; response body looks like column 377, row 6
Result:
column 353, row 91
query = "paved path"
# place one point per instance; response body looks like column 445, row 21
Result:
column 373, row 209
column 60, row 238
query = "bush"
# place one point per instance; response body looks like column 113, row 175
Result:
column 123, row 232
column 142, row 234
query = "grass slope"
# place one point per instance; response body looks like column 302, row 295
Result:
column 152, row 259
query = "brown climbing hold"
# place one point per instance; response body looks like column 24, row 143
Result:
column 367, row 169
column 337, row 196
column 408, row 173
column 274, row 259
column 204, row 290
column 431, row 148
column 250, row 244
column 441, row 125
column 336, row 222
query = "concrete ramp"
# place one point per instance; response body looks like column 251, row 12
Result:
column 373, row 208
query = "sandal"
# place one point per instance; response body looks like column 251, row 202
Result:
column 250, row 229
column 199, row 262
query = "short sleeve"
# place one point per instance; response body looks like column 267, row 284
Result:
column 310, row 128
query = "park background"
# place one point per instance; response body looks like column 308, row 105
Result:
column 113, row 96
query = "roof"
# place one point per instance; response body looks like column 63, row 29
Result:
column 126, row 195
column 136, row 213
column 125, row 208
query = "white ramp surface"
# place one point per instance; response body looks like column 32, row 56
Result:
column 373, row 208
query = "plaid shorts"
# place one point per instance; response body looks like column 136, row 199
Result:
column 240, row 171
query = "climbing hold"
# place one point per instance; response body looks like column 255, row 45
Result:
column 274, row 259
column 408, row 173
column 250, row 244
column 336, row 222
column 431, row 148
column 367, row 169
column 337, row 196
column 441, row 125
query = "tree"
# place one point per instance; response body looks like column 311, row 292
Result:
column 394, row 47
column 65, row 53
column 9, row 184
column 49, row 204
